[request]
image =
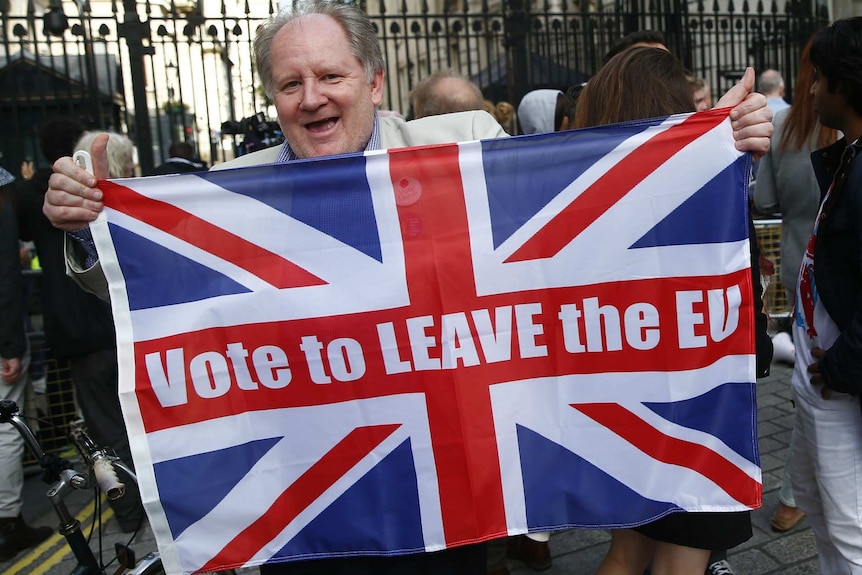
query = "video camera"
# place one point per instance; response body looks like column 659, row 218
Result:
column 257, row 133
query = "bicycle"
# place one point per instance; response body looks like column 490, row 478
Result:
column 64, row 478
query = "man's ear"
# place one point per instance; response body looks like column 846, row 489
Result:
column 377, row 88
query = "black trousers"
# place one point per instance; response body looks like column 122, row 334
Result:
column 95, row 377
column 466, row 560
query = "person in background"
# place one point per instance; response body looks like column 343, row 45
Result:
column 786, row 184
column 543, row 111
column 826, row 457
column 644, row 38
column 638, row 83
column 771, row 84
column 182, row 160
column 505, row 114
column 702, row 93
column 78, row 326
column 121, row 153
column 444, row 92
column 15, row 534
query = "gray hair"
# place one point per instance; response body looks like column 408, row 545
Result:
column 770, row 81
column 357, row 27
column 121, row 153
column 427, row 99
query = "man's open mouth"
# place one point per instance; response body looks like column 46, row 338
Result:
column 321, row 125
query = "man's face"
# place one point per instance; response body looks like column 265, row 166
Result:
column 702, row 99
column 830, row 106
column 325, row 103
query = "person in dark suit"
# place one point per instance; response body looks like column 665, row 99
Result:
column 182, row 160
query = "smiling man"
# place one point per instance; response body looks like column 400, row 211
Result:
column 322, row 67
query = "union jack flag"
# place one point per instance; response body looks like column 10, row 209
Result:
column 407, row 350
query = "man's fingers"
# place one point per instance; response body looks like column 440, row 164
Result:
column 65, row 191
column 66, row 169
column 752, row 125
column 68, row 218
column 750, row 112
column 71, row 201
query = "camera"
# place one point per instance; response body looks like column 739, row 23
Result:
column 257, row 133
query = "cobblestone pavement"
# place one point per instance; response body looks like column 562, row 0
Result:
column 575, row 552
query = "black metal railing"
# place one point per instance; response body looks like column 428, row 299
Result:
column 164, row 71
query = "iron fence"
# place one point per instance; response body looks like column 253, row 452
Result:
column 163, row 71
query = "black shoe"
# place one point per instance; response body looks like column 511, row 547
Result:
column 15, row 536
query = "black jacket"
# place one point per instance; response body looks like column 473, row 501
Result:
column 838, row 263
column 76, row 322
column 13, row 341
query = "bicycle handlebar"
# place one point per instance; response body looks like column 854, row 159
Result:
column 59, row 471
column 9, row 414
column 99, row 459
column 102, row 463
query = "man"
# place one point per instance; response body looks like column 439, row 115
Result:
column 79, row 327
column 322, row 67
column 444, row 92
column 826, row 461
column 182, row 160
column 771, row 84
column 701, row 92
column 15, row 535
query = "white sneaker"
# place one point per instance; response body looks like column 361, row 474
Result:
column 720, row 568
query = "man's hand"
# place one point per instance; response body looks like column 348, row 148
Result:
column 72, row 200
column 11, row 370
column 816, row 375
column 750, row 118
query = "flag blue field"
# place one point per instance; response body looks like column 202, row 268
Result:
column 408, row 350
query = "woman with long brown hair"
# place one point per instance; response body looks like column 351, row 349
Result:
column 636, row 84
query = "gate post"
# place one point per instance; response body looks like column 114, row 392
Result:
column 134, row 31
column 516, row 42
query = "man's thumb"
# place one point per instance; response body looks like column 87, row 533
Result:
column 739, row 91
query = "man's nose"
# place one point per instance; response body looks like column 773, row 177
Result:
column 313, row 96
